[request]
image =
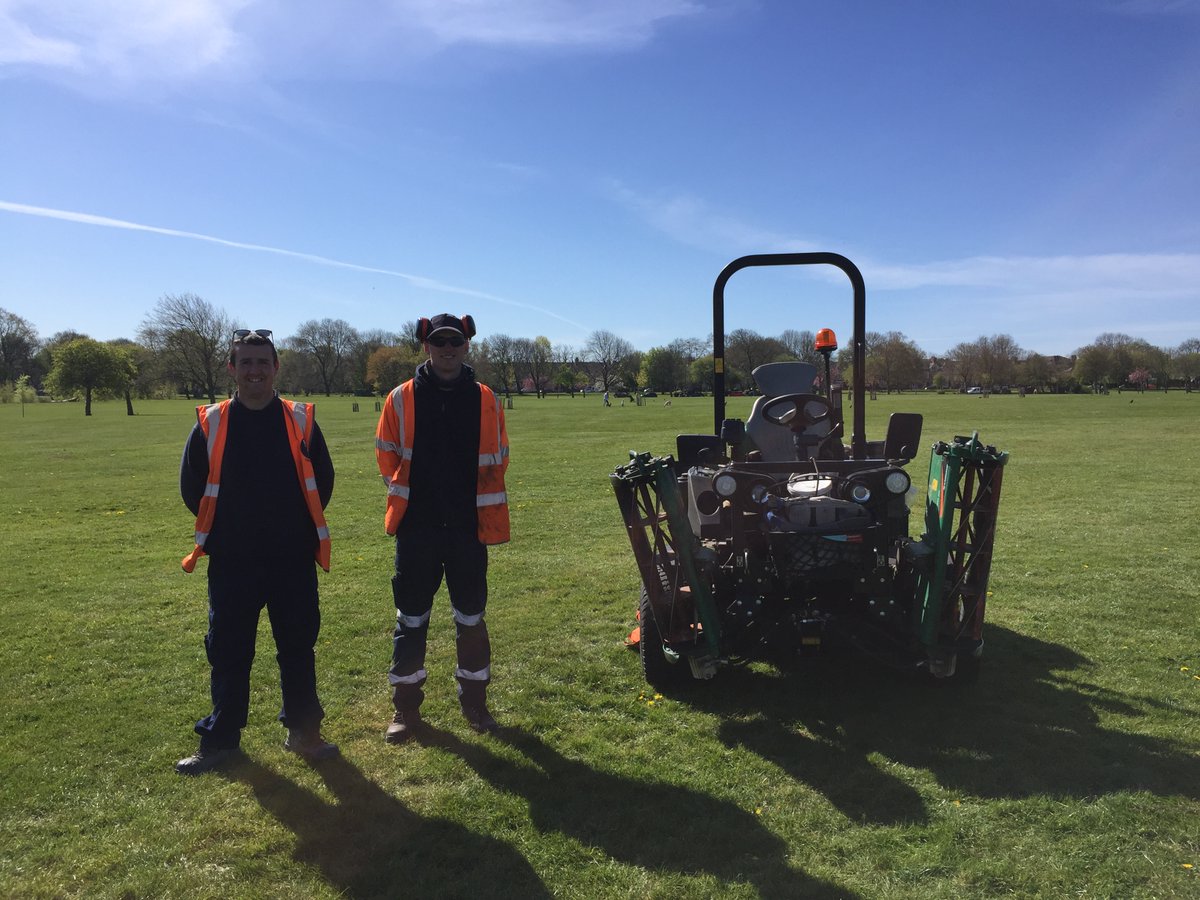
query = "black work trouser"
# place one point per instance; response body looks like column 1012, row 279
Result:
column 423, row 557
column 237, row 592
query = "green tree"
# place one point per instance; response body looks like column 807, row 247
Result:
column 664, row 369
column 91, row 368
column 18, row 346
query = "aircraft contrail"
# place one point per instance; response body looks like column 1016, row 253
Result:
column 415, row 280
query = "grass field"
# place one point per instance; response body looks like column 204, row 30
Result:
column 1072, row 769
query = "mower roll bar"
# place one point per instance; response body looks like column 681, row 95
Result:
column 858, row 440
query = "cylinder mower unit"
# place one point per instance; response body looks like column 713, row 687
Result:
column 773, row 537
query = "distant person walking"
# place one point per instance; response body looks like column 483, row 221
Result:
column 606, row 403
column 442, row 448
column 257, row 474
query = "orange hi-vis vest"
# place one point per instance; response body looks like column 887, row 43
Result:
column 394, row 451
column 214, row 422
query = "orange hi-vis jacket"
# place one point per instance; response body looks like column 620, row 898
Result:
column 394, row 451
column 214, row 422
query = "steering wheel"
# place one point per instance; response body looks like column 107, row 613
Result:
column 797, row 411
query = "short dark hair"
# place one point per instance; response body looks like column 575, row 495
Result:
column 250, row 339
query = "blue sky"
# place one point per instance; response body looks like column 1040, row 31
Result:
column 554, row 167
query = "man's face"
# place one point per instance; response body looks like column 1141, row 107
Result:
column 254, row 369
column 446, row 360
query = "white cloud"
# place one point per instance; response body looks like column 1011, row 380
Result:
column 124, row 41
column 604, row 23
column 691, row 221
column 155, row 44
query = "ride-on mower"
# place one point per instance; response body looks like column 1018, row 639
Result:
column 774, row 538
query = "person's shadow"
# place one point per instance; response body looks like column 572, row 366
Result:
column 370, row 845
column 655, row 825
column 1027, row 728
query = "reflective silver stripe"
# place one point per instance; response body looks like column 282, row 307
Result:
column 211, row 490
column 201, row 537
column 386, row 446
column 484, row 674
column 323, row 533
column 397, row 490
column 412, row 621
column 415, row 678
column 464, row 619
column 398, row 405
column 493, row 459
column 491, row 499
column 310, row 484
column 298, row 410
column 213, row 417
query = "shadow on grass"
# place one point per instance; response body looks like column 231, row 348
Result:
column 1022, row 730
column 368, row 844
column 660, row 827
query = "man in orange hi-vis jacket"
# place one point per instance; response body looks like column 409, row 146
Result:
column 257, row 475
column 442, row 449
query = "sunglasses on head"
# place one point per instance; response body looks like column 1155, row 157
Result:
column 243, row 333
column 453, row 340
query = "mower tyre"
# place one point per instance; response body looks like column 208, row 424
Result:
column 660, row 672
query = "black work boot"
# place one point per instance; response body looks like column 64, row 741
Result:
column 405, row 724
column 478, row 717
column 206, row 760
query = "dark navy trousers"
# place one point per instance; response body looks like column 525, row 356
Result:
column 423, row 557
column 237, row 592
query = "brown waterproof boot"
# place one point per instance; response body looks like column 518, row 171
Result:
column 309, row 744
column 405, row 724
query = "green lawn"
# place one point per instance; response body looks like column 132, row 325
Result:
column 1071, row 769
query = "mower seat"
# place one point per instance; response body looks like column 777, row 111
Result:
column 776, row 442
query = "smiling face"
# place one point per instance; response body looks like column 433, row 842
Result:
column 446, row 360
column 253, row 368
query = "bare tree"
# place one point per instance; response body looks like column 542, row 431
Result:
column 895, row 362
column 802, row 345
column 192, row 338
column 500, row 351
column 608, row 352
column 330, row 343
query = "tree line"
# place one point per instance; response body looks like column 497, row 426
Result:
column 182, row 345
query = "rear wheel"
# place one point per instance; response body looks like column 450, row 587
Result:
column 660, row 671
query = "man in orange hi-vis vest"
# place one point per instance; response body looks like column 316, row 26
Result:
column 442, row 449
column 257, row 475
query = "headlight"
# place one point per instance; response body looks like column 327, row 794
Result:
column 860, row 493
column 897, row 482
column 725, row 485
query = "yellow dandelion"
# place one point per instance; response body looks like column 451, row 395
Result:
column 958, row 803
column 649, row 702
column 758, row 810
column 1188, row 865
column 658, row 696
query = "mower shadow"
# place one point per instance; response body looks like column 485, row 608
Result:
column 624, row 818
column 1022, row 730
column 369, row 845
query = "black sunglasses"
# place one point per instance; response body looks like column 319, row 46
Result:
column 242, row 333
column 453, row 341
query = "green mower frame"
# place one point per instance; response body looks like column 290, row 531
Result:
column 772, row 538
